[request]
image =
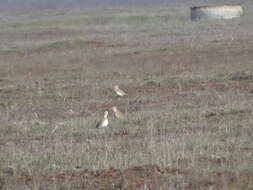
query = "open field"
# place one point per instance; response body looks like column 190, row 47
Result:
column 189, row 112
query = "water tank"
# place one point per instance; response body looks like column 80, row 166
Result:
column 218, row 12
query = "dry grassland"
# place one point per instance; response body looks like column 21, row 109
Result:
column 189, row 111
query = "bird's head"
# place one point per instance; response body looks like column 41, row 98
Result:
column 106, row 114
column 114, row 108
column 116, row 87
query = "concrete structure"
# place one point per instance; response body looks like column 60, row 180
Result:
column 218, row 12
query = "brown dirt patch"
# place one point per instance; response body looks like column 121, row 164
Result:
column 131, row 178
column 148, row 176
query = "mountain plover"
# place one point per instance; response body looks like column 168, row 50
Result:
column 118, row 91
column 118, row 114
column 104, row 123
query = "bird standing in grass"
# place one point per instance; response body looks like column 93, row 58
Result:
column 119, row 92
column 104, row 123
column 118, row 114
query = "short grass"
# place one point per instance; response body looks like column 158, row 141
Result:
column 189, row 107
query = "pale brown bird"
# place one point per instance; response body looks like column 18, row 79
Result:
column 118, row 91
column 118, row 114
column 104, row 123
